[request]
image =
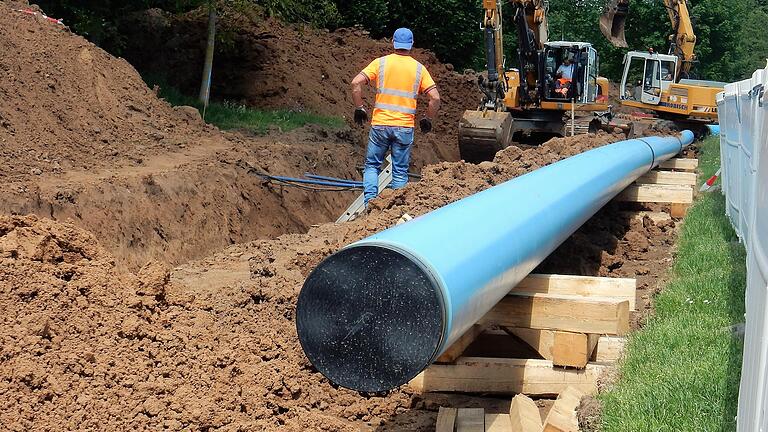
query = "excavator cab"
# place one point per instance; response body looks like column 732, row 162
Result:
column 647, row 76
column 582, row 87
column 612, row 22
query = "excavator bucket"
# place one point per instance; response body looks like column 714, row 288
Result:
column 612, row 22
column 483, row 133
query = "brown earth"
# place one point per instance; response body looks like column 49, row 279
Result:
column 88, row 344
column 83, row 139
column 270, row 65
column 213, row 345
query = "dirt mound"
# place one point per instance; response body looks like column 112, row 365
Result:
column 87, row 346
column 69, row 105
column 269, row 64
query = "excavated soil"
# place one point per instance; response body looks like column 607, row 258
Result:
column 270, row 65
column 97, row 332
column 83, row 139
column 213, row 344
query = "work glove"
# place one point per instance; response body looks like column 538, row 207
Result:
column 426, row 125
column 361, row 116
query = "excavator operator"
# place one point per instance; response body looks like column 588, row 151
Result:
column 399, row 80
column 564, row 76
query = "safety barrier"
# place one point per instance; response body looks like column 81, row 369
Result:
column 743, row 111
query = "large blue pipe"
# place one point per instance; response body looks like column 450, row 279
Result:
column 373, row 315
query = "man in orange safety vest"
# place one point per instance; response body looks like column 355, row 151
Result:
column 399, row 80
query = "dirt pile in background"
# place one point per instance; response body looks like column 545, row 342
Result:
column 269, row 64
column 68, row 105
column 83, row 139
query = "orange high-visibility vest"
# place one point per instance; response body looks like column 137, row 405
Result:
column 399, row 80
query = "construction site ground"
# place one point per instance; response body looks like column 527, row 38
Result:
column 149, row 281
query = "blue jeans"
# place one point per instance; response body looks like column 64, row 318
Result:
column 381, row 139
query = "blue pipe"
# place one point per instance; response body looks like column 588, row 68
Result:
column 332, row 179
column 376, row 313
column 714, row 129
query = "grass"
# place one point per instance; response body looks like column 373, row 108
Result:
column 229, row 115
column 681, row 371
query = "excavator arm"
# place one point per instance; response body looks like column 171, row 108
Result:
column 682, row 41
column 531, row 23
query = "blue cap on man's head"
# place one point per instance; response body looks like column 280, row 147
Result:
column 403, row 39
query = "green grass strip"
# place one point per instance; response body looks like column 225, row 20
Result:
column 229, row 115
column 681, row 371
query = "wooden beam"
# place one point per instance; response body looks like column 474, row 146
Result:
column 446, row 420
column 656, row 217
column 498, row 423
column 562, row 416
column 669, row 178
column 599, row 315
column 563, row 348
column 470, row 420
column 506, row 376
column 524, row 415
column 587, row 286
column 609, row 349
column 657, row 194
column 680, row 164
column 457, row 349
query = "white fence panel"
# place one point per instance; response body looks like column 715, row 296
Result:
column 743, row 110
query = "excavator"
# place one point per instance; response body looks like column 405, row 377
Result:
column 531, row 101
column 662, row 83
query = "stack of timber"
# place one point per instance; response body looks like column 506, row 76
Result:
column 574, row 325
column 671, row 183
column 524, row 416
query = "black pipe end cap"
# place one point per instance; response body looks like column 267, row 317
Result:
column 369, row 318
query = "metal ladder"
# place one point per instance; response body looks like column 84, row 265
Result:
column 358, row 206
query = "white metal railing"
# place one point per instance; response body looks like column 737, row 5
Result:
column 743, row 111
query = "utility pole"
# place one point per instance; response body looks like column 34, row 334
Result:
column 205, row 87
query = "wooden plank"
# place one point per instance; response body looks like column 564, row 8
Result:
column 657, row 194
column 562, row 416
column 656, row 217
column 506, row 376
column 498, row 423
column 609, row 349
column 446, row 420
column 680, row 164
column 470, row 420
column 669, row 178
column 524, row 415
column 599, row 315
column 587, row 286
column 457, row 349
column 563, row 348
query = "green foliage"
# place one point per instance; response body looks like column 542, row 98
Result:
column 320, row 13
column 732, row 35
column 230, row 115
column 447, row 27
column 681, row 371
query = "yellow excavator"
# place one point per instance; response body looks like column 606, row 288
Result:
column 530, row 102
column 662, row 82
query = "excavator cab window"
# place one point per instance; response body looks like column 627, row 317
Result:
column 667, row 74
column 652, row 82
column 559, row 87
